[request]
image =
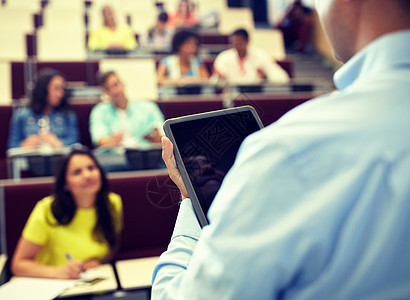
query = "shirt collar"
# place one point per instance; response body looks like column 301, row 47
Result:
column 389, row 51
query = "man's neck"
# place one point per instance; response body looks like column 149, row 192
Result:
column 371, row 28
column 242, row 54
column 121, row 103
column 185, row 60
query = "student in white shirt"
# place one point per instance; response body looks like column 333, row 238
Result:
column 244, row 64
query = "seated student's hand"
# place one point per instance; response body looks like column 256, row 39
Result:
column 32, row 141
column 50, row 139
column 115, row 46
column 261, row 74
column 154, row 136
column 71, row 270
column 113, row 140
column 91, row 263
column 116, row 138
column 169, row 159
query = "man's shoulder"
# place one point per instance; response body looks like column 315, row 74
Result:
column 142, row 103
column 257, row 52
column 228, row 53
column 102, row 106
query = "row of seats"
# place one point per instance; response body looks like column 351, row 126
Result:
column 61, row 30
column 138, row 74
column 269, row 107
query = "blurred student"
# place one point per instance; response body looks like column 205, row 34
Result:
column 48, row 120
column 124, row 122
column 75, row 229
column 185, row 15
column 245, row 64
column 296, row 26
column 111, row 35
column 159, row 37
column 184, row 66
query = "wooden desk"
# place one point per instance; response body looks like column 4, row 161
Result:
column 136, row 273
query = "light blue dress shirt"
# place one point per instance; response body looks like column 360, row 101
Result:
column 25, row 122
column 317, row 205
column 143, row 116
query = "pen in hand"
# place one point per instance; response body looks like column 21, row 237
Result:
column 68, row 256
column 75, row 268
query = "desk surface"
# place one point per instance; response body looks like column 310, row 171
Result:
column 136, row 273
column 108, row 284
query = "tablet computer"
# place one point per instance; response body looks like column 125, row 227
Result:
column 205, row 148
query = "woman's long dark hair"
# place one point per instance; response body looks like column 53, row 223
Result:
column 64, row 208
column 39, row 94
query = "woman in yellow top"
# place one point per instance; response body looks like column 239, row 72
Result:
column 111, row 35
column 75, row 229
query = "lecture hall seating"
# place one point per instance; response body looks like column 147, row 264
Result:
column 269, row 107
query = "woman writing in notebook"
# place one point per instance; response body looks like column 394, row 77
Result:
column 75, row 229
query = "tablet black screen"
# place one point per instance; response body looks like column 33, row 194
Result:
column 208, row 148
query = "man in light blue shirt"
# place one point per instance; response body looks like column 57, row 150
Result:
column 317, row 205
column 123, row 122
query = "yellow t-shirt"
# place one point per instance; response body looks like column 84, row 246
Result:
column 76, row 238
column 103, row 37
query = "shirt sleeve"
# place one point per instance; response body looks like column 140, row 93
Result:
column 36, row 228
column 130, row 41
column 273, row 71
column 219, row 63
column 118, row 212
column 98, row 127
column 255, row 233
column 16, row 135
column 172, row 263
column 157, row 117
column 93, row 41
column 72, row 135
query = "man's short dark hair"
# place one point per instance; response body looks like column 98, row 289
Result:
column 242, row 32
column 181, row 36
column 103, row 77
column 163, row 17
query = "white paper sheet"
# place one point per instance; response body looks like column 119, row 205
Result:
column 24, row 288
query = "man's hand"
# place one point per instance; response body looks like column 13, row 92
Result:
column 113, row 140
column 169, row 159
column 154, row 136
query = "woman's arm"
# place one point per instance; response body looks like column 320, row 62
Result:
column 17, row 137
column 162, row 77
column 203, row 72
column 24, row 264
column 72, row 133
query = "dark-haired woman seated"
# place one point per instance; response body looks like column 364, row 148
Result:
column 75, row 229
column 48, row 120
column 184, row 67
